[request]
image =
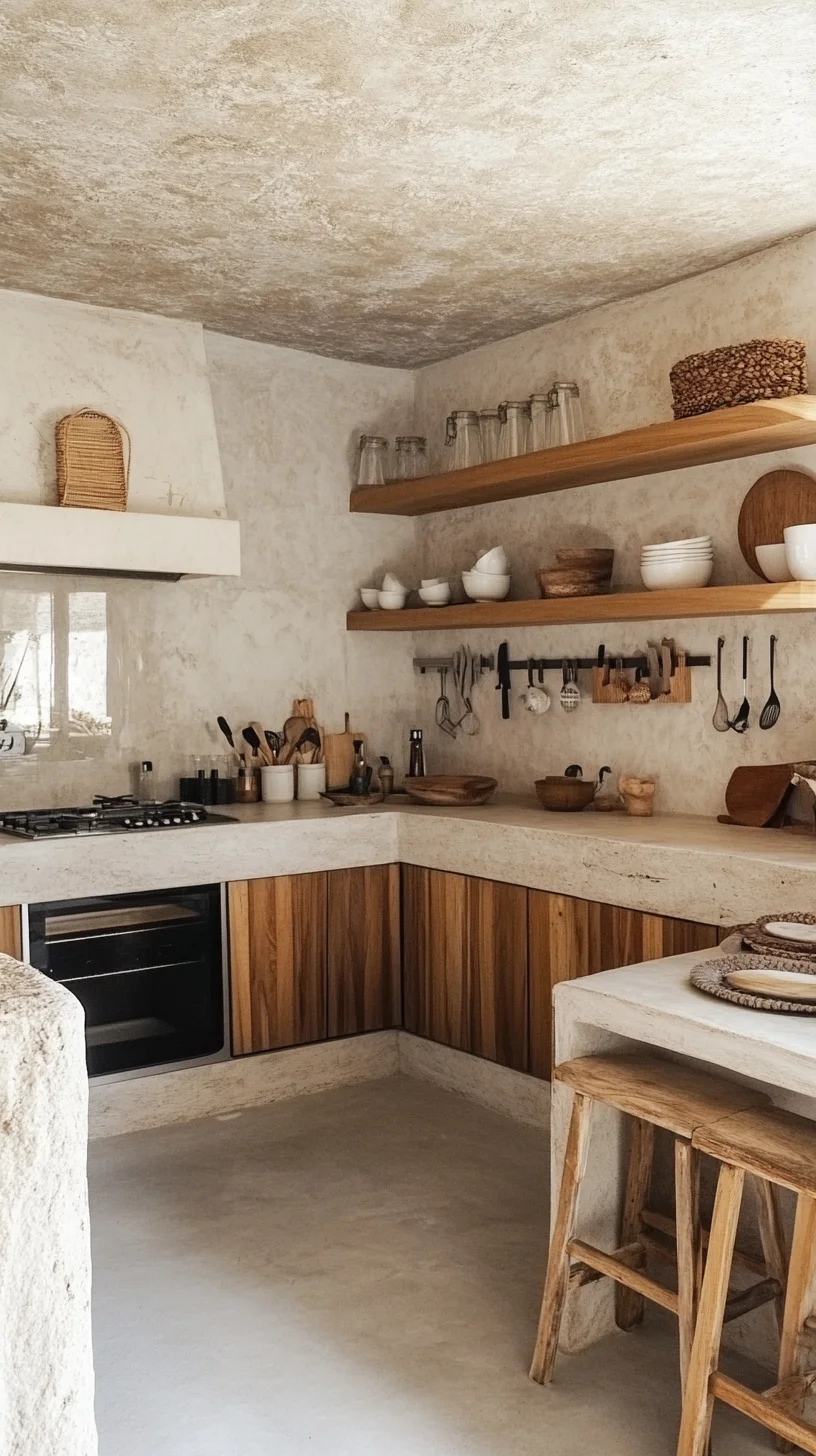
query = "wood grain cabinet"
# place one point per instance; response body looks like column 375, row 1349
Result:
column 278, row 958
column 11, row 939
column 465, row 963
column 568, row 938
column 364, row 983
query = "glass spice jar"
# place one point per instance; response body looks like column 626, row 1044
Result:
column 372, row 467
column 514, row 435
column 489, row 431
column 568, row 419
column 410, row 457
column 541, row 421
column 463, row 435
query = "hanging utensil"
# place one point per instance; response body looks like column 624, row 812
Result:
column 653, row 659
column 443, row 712
column 503, row 684
column 570, row 695
column 740, row 723
column 770, row 713
column 721, row 720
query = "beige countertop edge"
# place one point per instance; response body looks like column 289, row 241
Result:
column 687, row 866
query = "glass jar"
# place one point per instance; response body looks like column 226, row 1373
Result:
column 411, row 457
column 514, row 435
column 463, row 434
column 541, row 421
column 373, row 463
column 568, row 419
column 489, row 431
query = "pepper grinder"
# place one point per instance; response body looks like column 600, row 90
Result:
column 386, row 776
column 416, row 755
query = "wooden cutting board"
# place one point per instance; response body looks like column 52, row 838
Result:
column 755, row 794
column 338, row 752
column 779, row 499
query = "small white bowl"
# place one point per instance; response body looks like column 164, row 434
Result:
column 773, row 563
column 438, row 595
column 433, row 581
column 670, row 545
column 485, row 586
column 371, row 597
column 800, row 552
column 494, row 562
column 392, row 601
column 678, row 574
column 392, row 583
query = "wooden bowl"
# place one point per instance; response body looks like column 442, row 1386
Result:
column 587, row 556
column 451, row 790
column 567, row 581
column 563, row 794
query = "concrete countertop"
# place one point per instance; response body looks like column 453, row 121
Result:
column 686, row 866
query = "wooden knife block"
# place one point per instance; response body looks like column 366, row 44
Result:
column 613, row 692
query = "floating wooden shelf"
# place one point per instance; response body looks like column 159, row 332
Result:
column 747, row 429
column 644, row 606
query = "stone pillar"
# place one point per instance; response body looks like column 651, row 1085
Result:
column 46, row 1361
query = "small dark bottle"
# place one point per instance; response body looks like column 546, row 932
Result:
column 360, row 778
column 416, row 755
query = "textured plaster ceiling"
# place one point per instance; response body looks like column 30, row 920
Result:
column 396, row 180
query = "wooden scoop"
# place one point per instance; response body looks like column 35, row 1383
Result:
column 293, row 731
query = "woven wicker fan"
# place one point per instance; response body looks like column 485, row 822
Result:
column 91, row 466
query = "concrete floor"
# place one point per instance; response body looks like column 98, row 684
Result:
column 346, row 1274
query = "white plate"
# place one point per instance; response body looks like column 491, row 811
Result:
column 791, row 930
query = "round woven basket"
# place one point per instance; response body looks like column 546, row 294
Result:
column 710, row 976
column 92, row 471
column 738, row 374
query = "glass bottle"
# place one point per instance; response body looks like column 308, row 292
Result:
column 568, row 419
column 514, row 435
column 372, row 467
column 360, row 776
column 411, row 457
column 489, row 431
column 386, row 775
column 541, row 421
column 416, row 754
column 463, row 434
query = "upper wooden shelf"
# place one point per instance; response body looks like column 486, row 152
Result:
column 747, row 429
column 643, row 606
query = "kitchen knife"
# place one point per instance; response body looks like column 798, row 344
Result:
column 503, row 683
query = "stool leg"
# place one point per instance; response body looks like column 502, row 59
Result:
column 558, row 1263
column 773, row 1240
column 629, row 1306
column 799, row 1295
column 698, row 1402
column 689, row 1246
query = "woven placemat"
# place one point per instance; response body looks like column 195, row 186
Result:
column 793, row 917
column 754, row 940
column 709, row 976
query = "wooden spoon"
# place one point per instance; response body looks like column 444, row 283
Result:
column 293, row 730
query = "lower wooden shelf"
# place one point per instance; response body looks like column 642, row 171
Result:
column 644, row 606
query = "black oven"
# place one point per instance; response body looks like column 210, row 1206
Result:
column 149, row 970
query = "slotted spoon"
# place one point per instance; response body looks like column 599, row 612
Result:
column 721, row 720
column 770, row 713
column 740, row 723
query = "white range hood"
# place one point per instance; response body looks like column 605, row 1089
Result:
column 117, row 543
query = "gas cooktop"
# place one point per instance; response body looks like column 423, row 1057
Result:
column 106, row 816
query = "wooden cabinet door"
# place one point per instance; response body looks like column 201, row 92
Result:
column 465, row 963
column 570, row 938
column 364, row 983
column 277, row 933
column 11, row 939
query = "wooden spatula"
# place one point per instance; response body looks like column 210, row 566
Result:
column 756, row 793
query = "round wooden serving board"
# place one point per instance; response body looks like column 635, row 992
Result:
column 779, row 499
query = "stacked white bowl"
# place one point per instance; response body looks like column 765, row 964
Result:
column 668, row 564
column 489, row 578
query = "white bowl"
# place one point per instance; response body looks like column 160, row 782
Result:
column 433, row 581
column 773, row 562
column 679, row 574
column 676, row 560
column 371, row 597
column 437, row 595
column 800, row 552
column 675, row 553
column 485, row 586
column 392, row 583
column 687, row 541
column 494, row 562
column 392, row 601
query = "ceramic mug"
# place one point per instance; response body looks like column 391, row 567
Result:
column 278, row 783
column 311, row 780
column 535, row 700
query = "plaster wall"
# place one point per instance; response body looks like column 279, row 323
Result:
column 621, row 355
column 117, row 671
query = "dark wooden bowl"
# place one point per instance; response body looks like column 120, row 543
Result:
column 451, row 790
column 565, row 795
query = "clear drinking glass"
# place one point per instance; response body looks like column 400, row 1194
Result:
column 514, row 435
column 463, row 434
column 410, row 457
column 568, row 419
column 541, row 421
column 372, row 468
column 489, row 431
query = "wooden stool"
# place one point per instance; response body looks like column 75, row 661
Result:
column 654, row 1093
column 780, row 1147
